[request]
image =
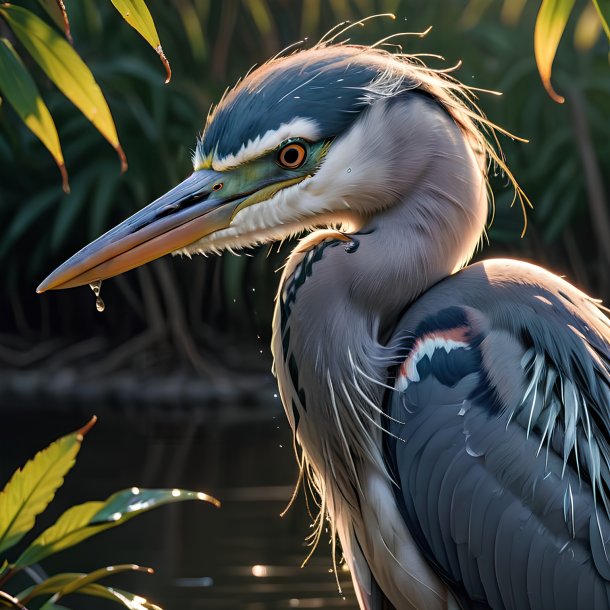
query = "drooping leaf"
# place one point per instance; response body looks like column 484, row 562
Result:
column 62, row 64
column 550, row 25
column 137, row 15
column 70, row 582
column 31, row 488
column 126, row 599
column 85, row 520
column 603, row 9
column 20, row 90
column 56, row 9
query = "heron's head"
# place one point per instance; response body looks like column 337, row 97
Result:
column 301, row 142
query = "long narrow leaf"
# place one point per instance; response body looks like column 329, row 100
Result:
column 85, row 520
column 31, row 489
column 72, row 582
column 137, row 15
column 62, row 64
column 20, row 90
column 603, row 10
column 57, row 11
column 126, row 599
column 550, row 25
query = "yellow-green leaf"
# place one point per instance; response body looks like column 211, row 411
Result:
column 85, row 520
column 62, row 64
column 126, row 599
column 588, row 29
column 20, row 90
column 57, row 11
column 550, row 25
column 137, row 15
column 64, row 584
column 31, row 488
column 603, row 10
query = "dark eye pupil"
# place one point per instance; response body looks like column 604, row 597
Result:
column 291, row 156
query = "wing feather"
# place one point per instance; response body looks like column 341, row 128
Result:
column 508, row 525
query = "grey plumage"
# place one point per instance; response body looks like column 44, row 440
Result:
column 454, row 425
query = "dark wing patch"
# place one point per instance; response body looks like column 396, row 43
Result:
column 506, row 525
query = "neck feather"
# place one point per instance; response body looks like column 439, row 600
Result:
column 339, row 302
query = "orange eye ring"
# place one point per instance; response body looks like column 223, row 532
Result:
column 292, row 156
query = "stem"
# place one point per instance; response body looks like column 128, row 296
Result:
column 7, row 576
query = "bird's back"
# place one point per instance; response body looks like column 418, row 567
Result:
column 501, row 444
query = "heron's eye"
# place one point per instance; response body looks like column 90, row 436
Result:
column 292, row 155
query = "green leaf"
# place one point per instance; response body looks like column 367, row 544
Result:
column 603, row 10
column 20, row 90
column 85, row 520
column 31, row 489
column 62, row 64
column 70, row 582
column 129, row 600
column 550, row 25
column 137, row 15
column 51, row 605
column 57, row 11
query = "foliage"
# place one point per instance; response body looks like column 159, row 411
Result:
column 27, row 495
column 64, row 67
column 170, row 307
column 550, row 25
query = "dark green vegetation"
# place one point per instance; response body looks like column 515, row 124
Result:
column 27, row 495
column 181, row 314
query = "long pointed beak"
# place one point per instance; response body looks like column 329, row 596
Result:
column 193, row 209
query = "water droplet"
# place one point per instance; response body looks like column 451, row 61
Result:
column 135, row 491
column 96, row 287
column 349, row 170
column 176, row 492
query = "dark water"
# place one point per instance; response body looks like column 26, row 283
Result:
column 240, row 556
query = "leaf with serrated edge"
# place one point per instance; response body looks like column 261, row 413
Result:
column 62, row 64
column 137, row 15
column 550, row 25
column 31, row 488
column 85, row 520
column 20, row 90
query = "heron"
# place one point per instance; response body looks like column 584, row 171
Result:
column 453, row 420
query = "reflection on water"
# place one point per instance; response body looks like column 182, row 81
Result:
column 242, row 556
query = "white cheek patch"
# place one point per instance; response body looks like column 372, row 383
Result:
column 298, row 127
column 426, row 346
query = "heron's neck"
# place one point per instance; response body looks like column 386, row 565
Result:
column 338, row 304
